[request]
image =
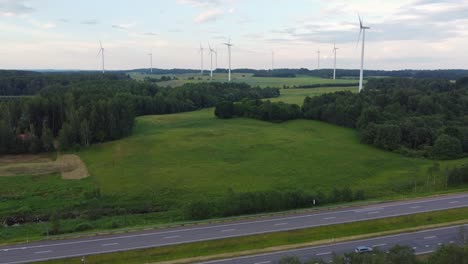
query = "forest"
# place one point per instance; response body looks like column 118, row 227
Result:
column 78, row 111
column 416, row 117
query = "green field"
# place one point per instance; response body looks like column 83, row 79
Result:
column 245, row 78
column 171, row 160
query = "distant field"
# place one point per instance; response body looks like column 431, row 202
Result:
column 296, row 96
column 246, row 78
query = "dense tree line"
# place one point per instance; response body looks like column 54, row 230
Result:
column 414, row 116
column 453, row 254
column 97, row 110
column 276, row 74
column 269, row 201
column 14, row 83
column 418, row 117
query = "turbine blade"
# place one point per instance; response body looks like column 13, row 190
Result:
column 100, row 43
column 360, row 21
column 359, row 38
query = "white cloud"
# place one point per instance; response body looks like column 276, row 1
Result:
column 207, row 16
column 14, row 8
column 124, row 26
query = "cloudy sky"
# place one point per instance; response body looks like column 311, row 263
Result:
column 65, row 34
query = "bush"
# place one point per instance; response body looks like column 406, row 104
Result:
column 83, row 227
column 447, row 147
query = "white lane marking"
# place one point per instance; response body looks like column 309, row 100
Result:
column 415, row 248
column 376, row 212
column 110, row 244
column 280, row 224
column 439, row 244
column 394, row 204
column 427, row 246
column 228, row 230
column 379, row 245
column 263, row 262
column 324, row 253
column 43, row 252
column 451, row 242
column 368, row 209
column 329, row 218
column 430, row 237
column 454, row 202
column 425, row 252
column 169, row 237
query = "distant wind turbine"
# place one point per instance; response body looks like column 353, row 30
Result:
column 201, row 57
column 334, row 63
column 318, row 59
column 272, row 60
column 101, row 51
column 212, row 51
column 363, row 31
column 229, row 45
column 216, row 58
column 151, row 62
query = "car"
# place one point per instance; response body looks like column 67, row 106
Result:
column 363, row 249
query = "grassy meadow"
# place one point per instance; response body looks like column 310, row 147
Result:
column 242, row 77
column 171, row 160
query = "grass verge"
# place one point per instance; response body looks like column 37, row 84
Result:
column 254, row 244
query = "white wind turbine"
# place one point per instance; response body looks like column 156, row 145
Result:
column 229, row 45
column 334, row 63
column 101, row 51
column 272, row 60
column 211, row 60
column 216, row 58
column 151, row 62
column 201, row 57
column 363, row 31
column 318, row 59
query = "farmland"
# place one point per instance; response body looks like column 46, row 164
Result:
column 244, row 78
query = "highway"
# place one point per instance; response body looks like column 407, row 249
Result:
column 422, row 242
column 46, row 250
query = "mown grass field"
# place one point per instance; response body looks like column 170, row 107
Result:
column 243, row 77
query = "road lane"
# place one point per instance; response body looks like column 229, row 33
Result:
column 171, row 236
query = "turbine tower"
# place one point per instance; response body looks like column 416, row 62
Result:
column 362, row 31
column 216, row 58
column 334, row 63
column 272, row 61
column 201, row 57
column 318, row 59
column 101, row 51
column 151, row 62
column 211, row 60
column 229, row 45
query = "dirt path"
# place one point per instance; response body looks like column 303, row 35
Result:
column 70, row 166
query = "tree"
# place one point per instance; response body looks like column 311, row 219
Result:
column 6, row 137
column 47, row 138
column 401, row 255
column 85, row 133
column 225, row 110
column 447, row 147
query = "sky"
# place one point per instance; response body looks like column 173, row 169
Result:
column 65, row 34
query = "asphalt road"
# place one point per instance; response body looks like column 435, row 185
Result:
column 46, row 250
column 422, row 242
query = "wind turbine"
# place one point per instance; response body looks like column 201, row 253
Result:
column 216, row 58
column 201, row 57
column 334, row 63
column 363, row 31
column 272, row 61
column 101, row 51
column 151, row 62
column 211, row 60
column 229, row 45
column 318, row 59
